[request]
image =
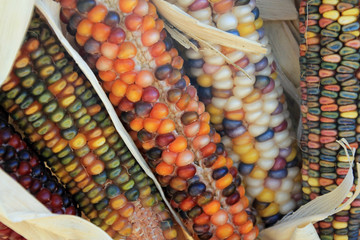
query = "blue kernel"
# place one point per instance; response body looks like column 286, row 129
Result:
column 204, row 93
column 256, row 12
column 234, row 31
column 346, row 127
column 196, row 63
column 236, row 132
column 245, row 169
column 278, row 174
column 196, row 189
column 346, row 121
column 219, row 173
column 328, row 158
column 231, row 124
column 261, row 32
column 272, row 219
column 269, row 134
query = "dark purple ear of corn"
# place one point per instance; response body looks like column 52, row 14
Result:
column 61, row 114
column 329, row 57
column 24, row 166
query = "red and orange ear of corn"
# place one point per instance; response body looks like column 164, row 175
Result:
column 248, row 110
column 126, row 44
column 329, row 64
column 24, row 166
column 60, row 113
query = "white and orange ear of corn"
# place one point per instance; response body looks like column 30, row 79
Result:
column 249, row 110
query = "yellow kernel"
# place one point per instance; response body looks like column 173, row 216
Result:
column 216, row 119
column 104, row 227
column 145, row 191
column 88, row 187
column 306, row 190
column 333, row 14
column 266, row 195
column 127, row 230
column 339, row 225
column 352, row 114
column 213, row 110
column 170, row 233
column 351, row 12
column 270, row 210
column 246, row 28
column 345, row 20
column 71, row 166
column 78, row 141
column 204, row 80
column 66, row 179
column 273, row 75
column 60, row 145
column 97, row 142
column 118, row 202
column 108, row 131
column 340, row 237
column 66, row 101
column 253, row 96
column 330, row 2
column 314, row 182
column 93, row 214
column 258, row 173
column 80, row 177
column 251, row 157
column 355, row 33
column 111, row 218
column 309, row 35
column 258, row 23
column 292, row 155
column 344, row 158
column 97, row 199
column 305, row 177
column 242, row 149
column 61, row 173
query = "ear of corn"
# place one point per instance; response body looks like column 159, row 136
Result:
column 330, row 85
column 23, row 165
column 62, row 116
column 249, row 112
column 143, row 75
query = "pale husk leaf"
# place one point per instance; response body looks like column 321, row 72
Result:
column 277, row 9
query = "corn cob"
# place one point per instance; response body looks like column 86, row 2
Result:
column 330, row 84
column 23, row 165
column 250, row 113
column 65, row 120
column 143, row 75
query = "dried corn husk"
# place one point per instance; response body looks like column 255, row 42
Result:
column 277, row 9
column 202, row 32
column 285, row 49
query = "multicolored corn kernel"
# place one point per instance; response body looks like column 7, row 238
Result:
column 143, row 75
column 329, row 63
column 64, row 119
column 250, row 112
column 24, row 166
